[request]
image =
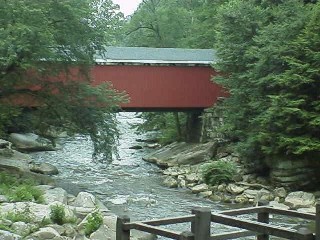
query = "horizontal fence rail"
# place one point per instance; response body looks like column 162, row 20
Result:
column 201, row 219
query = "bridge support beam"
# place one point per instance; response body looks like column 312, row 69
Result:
column 194, row 126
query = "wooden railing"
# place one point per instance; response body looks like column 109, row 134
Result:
column 201, row 219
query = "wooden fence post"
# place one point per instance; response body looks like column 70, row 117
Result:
column 201, row 226
column 264, row 218
column 186, row 235
column 121, row 232
column 318, row 220
column 306, row 234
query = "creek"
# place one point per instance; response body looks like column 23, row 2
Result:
column 128, row 185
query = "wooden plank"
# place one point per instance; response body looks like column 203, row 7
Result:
column 233, row 235
column 242, row 211
column 291, row 213
column 167, row 221
column 155, row 230
column 255, row 226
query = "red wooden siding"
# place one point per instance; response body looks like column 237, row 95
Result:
column 162, row 87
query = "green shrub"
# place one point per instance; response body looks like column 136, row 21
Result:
column 58, row 214
column 24, row 193
column 218, row 172
column 19, row 190
column 95, row 220
column 5, row 228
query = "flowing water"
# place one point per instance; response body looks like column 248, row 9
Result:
column 128, row 186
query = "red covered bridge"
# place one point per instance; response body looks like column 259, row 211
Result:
column 158, row 79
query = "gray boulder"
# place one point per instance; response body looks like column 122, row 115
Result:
column 46, row 233
column 85, row 200
column 4, row 235
column 170, row 182
column 177, row 154
column 55, row 195
column 300, row 199
column 235, row 189
column 30, row 142
column 44, row 168
column 200, row 188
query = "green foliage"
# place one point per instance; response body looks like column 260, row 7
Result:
column 19, row 190
column 5, row 228
column 218, row 172
column 43, row 42
column 270, row 52
column 94, row 221
column 57, row 214
column 170, row 127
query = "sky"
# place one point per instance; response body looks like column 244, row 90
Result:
column 127, row 6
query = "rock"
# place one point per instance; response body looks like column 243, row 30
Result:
column 69, row 230
column 300, row 199
column 280, row 192
column 215, row 198
column 276, row 204
column 307, row 210
column 256, row 195
column 30, row 142
column 241, row 199
column 81, row 212
column 222, row 187
column 85, row 200
column 4, row 235
column 108, row 231
column 55, row 195
column 60, row 229
column 5, row 144
column 136, row 147
column 170, row 182
column 192, row 177
column 182, row 183
column 44, row 168
column 22, row 228
column 177, row 154
column 205, row 194
column 200, row 188
column 44, row 188
column 235, row 189
column 153, row 145
column 3, row 199
column 46, row 233
column 38, row 211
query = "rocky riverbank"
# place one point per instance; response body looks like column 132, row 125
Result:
column 183, row 168
column 59, row 215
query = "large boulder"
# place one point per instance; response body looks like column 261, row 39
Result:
column 9, row 236
column 30, row 142
column 182, row 153
column 85, row 200
column 55, row 195
column 44, row 168
column 300, row 199
column 38, row 212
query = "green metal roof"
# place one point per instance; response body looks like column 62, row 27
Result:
column 143, row 55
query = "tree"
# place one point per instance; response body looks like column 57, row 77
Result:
column 47, row 49
column 159, row 23
column 270, row 111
